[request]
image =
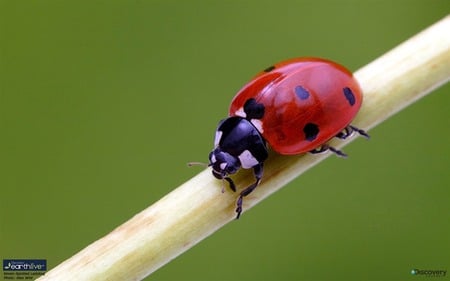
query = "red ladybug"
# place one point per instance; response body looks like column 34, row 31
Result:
column 295, row 106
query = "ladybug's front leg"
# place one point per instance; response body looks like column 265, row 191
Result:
column 258, row 171
column 231, row 183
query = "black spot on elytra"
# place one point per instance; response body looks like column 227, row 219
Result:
column 349, row 95
column 269, row 69
column 311, row 131
column 253, row 109
column 301, row 92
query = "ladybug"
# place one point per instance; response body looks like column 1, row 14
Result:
column 293, row 107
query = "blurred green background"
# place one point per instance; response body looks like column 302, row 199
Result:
column 104, row 102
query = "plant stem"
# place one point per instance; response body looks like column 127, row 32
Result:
column 198, row 208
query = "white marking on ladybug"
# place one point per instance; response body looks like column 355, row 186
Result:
column 213, row 158
column 240, row 112
column 258, row 125
column 223, row 165
column 247, row 159
column 217, row 138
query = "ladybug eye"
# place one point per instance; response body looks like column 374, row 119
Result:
column 231, row 169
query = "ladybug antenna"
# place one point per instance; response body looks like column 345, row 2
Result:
column 190, row 164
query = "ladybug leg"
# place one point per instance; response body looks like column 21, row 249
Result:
column 349, row 130
column 360, row 131
column 258, row 171
column 325, row 148
column 231, row 182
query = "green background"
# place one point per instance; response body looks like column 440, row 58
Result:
column 104, row 102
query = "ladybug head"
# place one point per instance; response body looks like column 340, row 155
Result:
column 223, row 163
column 238, row 144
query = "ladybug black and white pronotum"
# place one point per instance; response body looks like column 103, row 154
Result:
column 295, row 106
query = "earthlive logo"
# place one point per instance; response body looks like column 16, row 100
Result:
column 429, row 272
column 24, row 265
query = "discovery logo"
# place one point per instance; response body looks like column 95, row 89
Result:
column 429, row 272
column 24, row 265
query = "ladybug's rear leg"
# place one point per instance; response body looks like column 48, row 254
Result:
column 349, row 130
column 258, row 171
column 325, row 148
